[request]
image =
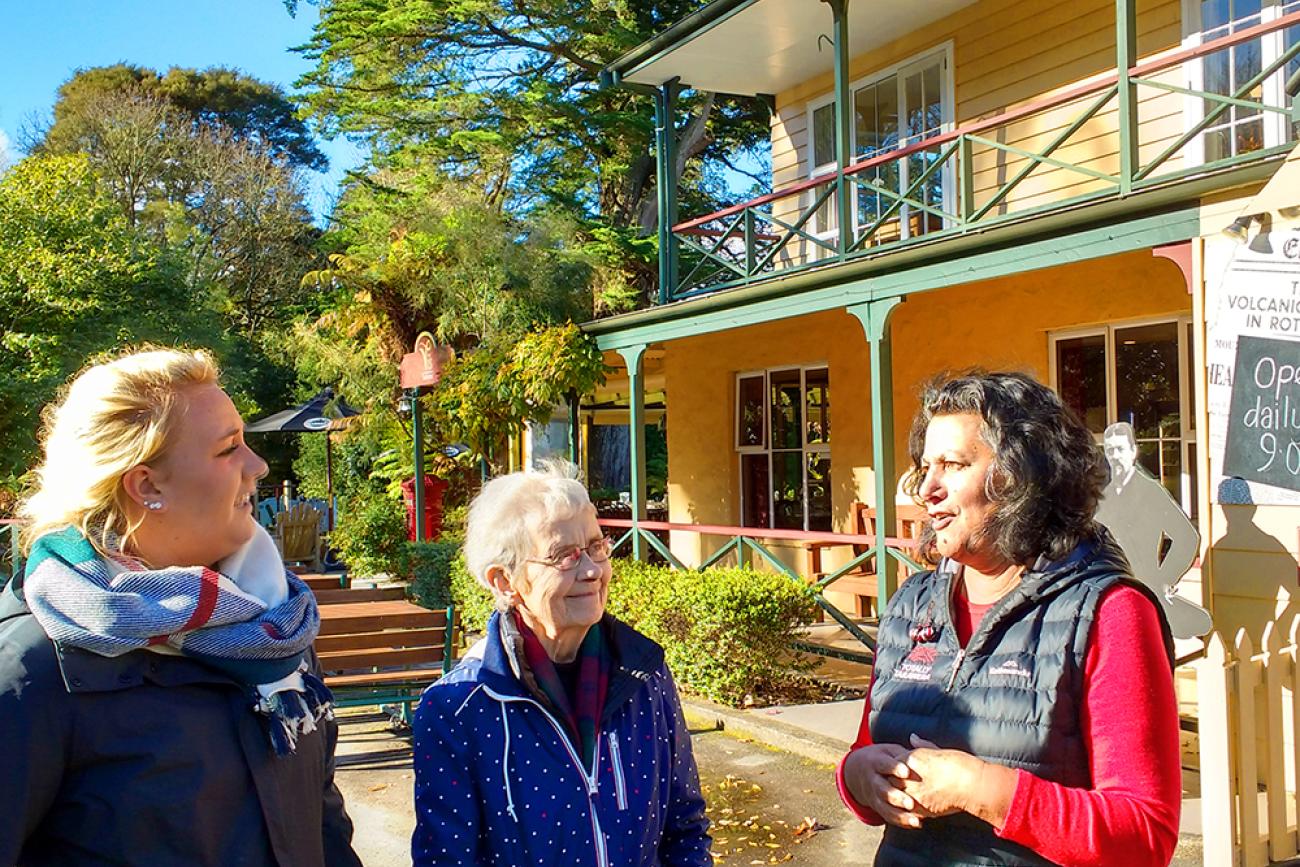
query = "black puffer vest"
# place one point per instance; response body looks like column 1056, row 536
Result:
column 1012, row 696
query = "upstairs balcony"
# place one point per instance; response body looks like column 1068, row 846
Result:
column 892, row 167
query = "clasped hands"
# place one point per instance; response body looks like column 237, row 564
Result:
column 905, row 786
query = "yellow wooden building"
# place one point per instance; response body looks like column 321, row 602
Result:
column 1030, row 185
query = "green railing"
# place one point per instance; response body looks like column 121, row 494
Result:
column 744, row 544
column 954, row 182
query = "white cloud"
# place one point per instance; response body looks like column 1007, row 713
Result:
column 7, row 155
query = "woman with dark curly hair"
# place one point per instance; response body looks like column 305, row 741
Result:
column 1022, row 708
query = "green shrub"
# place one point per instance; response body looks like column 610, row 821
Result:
column 474, row 601
column 453, row 522
column 429, row 564
column 726, row 633
column 371, row 535
column 437, row 571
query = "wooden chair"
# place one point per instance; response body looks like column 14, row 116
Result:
column 908, row 518
column 297, row 535
column 862, row 582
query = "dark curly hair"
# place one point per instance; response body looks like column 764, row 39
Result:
column 1047, row 473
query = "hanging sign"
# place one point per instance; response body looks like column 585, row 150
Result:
column 1253, row 370
column 423, row 367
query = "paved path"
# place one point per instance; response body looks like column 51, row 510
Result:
column 767, row 805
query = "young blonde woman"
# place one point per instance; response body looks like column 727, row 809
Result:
column 158, row 700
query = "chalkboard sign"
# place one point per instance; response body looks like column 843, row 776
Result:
column 1263, row 443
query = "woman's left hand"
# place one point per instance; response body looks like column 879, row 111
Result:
column 942, row 779
column 952, row 781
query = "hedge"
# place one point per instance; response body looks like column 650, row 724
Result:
column 437, row 571
column 726, row 633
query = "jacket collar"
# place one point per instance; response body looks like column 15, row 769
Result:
column 1046, row 578
column 87, row 672
column 635, row 659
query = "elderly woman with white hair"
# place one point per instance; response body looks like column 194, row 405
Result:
column 559, row 738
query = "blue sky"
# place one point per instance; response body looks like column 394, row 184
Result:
column 43, row 44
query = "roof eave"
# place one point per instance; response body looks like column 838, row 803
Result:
column 680, row 33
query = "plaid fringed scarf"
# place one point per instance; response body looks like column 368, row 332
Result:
column 583, row 715
column 112, row 609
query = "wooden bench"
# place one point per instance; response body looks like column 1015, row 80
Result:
column 863, row 582
column 376, row 648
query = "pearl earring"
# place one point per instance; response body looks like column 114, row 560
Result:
column 153, row 505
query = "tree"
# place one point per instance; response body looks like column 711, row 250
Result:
column 228, row 200
column 418, row 251
column 251, row 110
column 77, row 280
column 506, row 95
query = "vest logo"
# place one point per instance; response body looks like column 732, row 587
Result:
column 1012, row 668
column 918, row 665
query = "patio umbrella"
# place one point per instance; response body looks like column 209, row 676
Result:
column 310, row 417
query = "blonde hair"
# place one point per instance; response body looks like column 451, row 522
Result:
column 112, row 416
column 498, row 528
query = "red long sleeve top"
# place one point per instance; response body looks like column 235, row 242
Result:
column 1132, row 739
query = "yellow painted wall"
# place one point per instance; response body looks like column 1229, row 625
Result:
column 703, row 467
column 1004, row 323
column 998, row 324
column 1005, row 54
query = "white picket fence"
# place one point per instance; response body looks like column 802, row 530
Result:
column 1249, row 702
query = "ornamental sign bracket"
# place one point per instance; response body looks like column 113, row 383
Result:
column 423, row 367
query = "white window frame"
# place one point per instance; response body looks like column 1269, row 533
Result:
column 805, row 448
column 1276, row 126
column 943, row 52
column 1186, row 423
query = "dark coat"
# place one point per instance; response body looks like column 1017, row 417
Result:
column 499, row 782
column 150, row 760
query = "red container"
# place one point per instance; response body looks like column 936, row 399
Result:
column 433, row 491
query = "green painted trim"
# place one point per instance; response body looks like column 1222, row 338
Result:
column 843, row 121
column 1173, row 191
column 834, row 652
column 653, row 541
column 621, row 540
column 633, row 355
column 906, row 560
column 1212, row 116
column 844, row 620
column 1125, row 59
column 722, row 552
column 1060, row 139
column 875, row 319
column 417, row 445
column 771, row 559
column 1044, row 158
column 1253, row 105
column 947, row 266
column 848, row 567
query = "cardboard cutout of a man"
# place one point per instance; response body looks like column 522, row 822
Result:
column 1157, row 538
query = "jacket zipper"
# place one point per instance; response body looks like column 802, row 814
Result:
column 978, row 634
column 956, row 665
column 597, row 836
column 615, row 759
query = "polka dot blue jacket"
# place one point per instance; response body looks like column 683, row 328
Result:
column 499, row 782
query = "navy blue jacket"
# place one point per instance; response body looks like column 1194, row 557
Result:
column 150, row 760
column 498, row 780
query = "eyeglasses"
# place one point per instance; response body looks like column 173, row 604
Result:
column 597, row 552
